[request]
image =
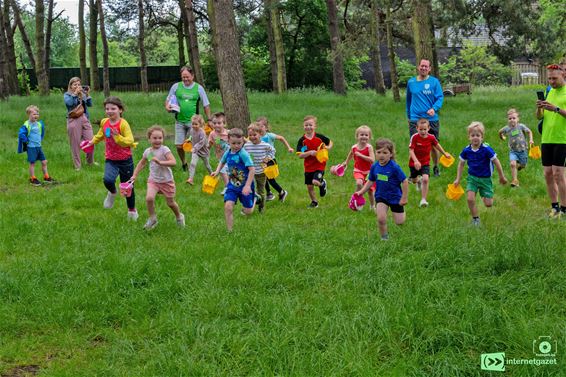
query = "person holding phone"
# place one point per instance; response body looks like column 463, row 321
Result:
column 78, row 100
column 552, row 110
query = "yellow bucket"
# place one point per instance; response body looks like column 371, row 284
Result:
column 322, row 155
column 188, row 146
column 454, row 192
column 209, row 184
column 207, row 129
column 272, row 171
column 446, row 161
column 534, row 152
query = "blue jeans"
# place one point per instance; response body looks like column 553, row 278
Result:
column 124, row 168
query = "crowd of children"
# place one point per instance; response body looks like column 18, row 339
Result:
column 243, row 161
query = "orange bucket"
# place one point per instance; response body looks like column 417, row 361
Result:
column 534, row 152
column 207, row 129
column 454, row 192
column 188, row 146
column 209, row 184
column 446, row 161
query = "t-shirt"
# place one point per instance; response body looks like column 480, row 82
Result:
column 361, row 165
column 258, row 152
column 238, row 164
column 554, row 125
column 388, row 179
column 269, row 138
column 422, row 146
column 188, row 98
column 220, row 142
column 479, row 160
column 117, row 146
column 158, row 173
column 200, row 142
column 423, row 96
column 311, row 163
column 516, row 137
column 34, row 136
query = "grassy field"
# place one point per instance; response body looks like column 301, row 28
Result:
column 291, row 292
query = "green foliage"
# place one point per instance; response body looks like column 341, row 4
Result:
column 257, row 71
column 353, row 72
column 405, row 70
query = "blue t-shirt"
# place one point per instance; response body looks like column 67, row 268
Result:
column 423, row 96
column 34, row 137
column 479, row 161
column 388, row 179
column 269, row 138
column 238, row 164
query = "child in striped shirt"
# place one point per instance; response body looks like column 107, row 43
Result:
column 260, row 152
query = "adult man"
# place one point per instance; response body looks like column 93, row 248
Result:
column 424, row 100
column 187, row 94
column 553, row 143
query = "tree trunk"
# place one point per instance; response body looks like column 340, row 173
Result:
column 105, row 70
column 41, row 73
column 25, row 38
column 82, row 43
column 422, row 31
column 275, row 26
column 12, row 79
column 48, row 29
column 93, row 36
column 338, row 79
column 375, row 50
column 181, row 41
column 185, row 31
column 228, row 64
column 193, row 42
column 141, row 43
column 271, row 44
column 391, row 53
column 3, row 61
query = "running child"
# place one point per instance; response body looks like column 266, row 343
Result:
column 219, row 139
column 200, row 147
column 422, row 143
column 160, row 180
column 515, row 132
column 307, row 148
column 480, row 158
column 364, row 157
column 30, row 136
column 261, row 153
column 391, row 186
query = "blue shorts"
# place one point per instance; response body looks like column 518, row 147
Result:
column 520, row 157
column 35, row 154
column 233, row 195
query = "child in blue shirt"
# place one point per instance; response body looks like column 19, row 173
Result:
column 30, row 137
column 391, row 188
column 481, row 158
column 240, row 175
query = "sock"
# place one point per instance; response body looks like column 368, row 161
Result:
column 45, row 176
column 33, row 177
column 555, row 206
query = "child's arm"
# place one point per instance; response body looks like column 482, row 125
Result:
column 439, row 148
column 528, row 131
column 138, row 169
column 98, row 137
column 23, row 134
column 170, row 161
column 284, row 141
column 413, row 157
column 366, row 187
column 201, row 143
column 497, row 164
column 459, row 172
column 124, row 138
column 349, row 157
column 218, row 168
column 248, row 186
column 405, row 192
column 330, row 145
column 306, row 154
column 501, row 134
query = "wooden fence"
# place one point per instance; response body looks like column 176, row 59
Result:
column 528, row 73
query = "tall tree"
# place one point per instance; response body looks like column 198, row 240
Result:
column 375, row 50
column 141, row 45
column 391, row 52
column 181, row 41
column 12, row 79
column 105, row 69
column 82, row 43
column 274, row 32
column 228, row 64
column 338, row 78
column 3, row 62
column 193, row 41
column 48, row 33
column 93, row 37
column 423, row 31
column 23, row 33
column 42, row 77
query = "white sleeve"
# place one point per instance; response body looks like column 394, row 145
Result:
column 173, row 90
column 202, row 94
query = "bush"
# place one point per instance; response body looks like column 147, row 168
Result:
column 405, row 70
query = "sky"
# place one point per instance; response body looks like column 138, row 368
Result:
column 70, row 8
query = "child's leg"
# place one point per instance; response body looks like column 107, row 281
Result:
column 424, row 185
column 513, row 164
column 193, row 166
column 174, row 206
column 111, row 172
column 310, row 189
column 472, row 203
column 399, row 217
column 150, row 200
column 267, row 187
column 225, row 179
column 273, row 183
column 488, row 202
column 229, row 214
column 381, row 212
column 126, row 171
column 44, row 168
column 32, row 169
column 359, row 184
column 206, row 160
column 260, row 180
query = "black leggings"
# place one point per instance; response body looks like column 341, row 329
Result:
column 273, row 183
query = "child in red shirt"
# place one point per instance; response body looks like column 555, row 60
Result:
column 363, row 155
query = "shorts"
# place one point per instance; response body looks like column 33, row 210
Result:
column 182, row 131
column 396, row 208
column 481, row 184
column 415, row 173
column 434, row 128
column 167, row 189
column 233, row 195
column 35, row 154
column 317, row 175
column 553, row 154
column 520, row 157
column 363, row 177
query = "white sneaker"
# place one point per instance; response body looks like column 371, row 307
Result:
column 423, row 203
column 223, row 191
column 133, row 215
column 109, row 201
column 181, row 221
column 152, row 223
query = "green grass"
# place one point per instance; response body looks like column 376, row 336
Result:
column 292, row 292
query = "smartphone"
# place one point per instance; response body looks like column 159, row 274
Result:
column 86, row 88
column 540, row 95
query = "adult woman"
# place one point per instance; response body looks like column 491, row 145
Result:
column 78, row 100
column 187, row 94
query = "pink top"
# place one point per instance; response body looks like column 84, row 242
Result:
column 361, row 165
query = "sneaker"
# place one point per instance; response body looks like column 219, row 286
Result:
column 269, row 197
column 185, row 166
column 372, row 207
column 109, row 201
column 190, row 181
column 223, row 191
column 555, row 213
column 423, row 203
column 180, row 221
column 314, row 204
column 515, row 183
column 385, row 237
column 259, row 202
column 476, row 222
column 418, row 186
column 34, row 182
column 283, row 196
column 133, row 215
column 436, row 171
column 48, row 180
column 152, row 223
column 322, row 188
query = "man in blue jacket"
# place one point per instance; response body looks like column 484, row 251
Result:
column 424, row 100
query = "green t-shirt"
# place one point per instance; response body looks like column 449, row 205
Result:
column 188, row 102
column 554, row 125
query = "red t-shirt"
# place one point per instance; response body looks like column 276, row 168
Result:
column 361, row 165
column 422, row 146
column 306, row 144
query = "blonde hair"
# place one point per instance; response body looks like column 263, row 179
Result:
column 255, row 127
column 423, row 121
column 198, row 118
column 263, row 121
column 152, row 129
column 476, row 126
column 236, row 133
column 363, row 128
column 309, row 117
column 387, row 144
column 30, row 108
column 512, row 111
column 72, row 81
